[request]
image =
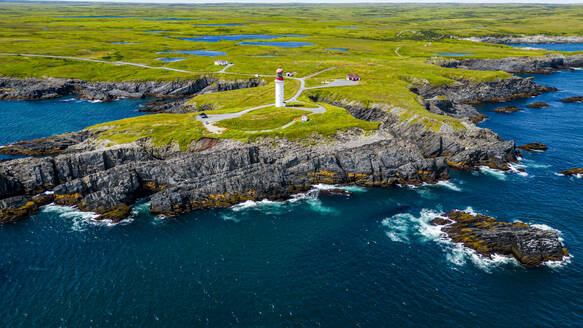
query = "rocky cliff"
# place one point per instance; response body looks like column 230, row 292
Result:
column 72, row 169
column 33, row 89
column 542, row 64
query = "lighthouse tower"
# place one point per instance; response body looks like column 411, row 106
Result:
column 279, row 88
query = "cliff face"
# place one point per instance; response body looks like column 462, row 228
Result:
column 544, row 64
column 33, row 89
column 72, row 170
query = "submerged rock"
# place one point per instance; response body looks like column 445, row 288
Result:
column 533, row 146
column 538, row 104
column 334, row 192
column 573, row 100
column 575, row 171
column 487, row 236
column 508, row 109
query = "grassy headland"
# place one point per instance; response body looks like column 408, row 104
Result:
column 389, row 46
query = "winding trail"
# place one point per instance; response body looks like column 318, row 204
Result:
column 213, row 118
column 319, row 109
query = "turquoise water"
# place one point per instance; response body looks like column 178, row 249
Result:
column 282, row 44
column 552, row 46
column 207, row 53
column 368, row 260
column 238, row 37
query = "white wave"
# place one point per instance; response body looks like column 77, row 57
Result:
column 559, row 174
column 405, row 227
column 351, row 188
column 498, row 174
column 535, row 165
column 449, row 185
column 515, row 168
column 80, row 220
column 556, row 265
column 141, row 208
column 250, row 203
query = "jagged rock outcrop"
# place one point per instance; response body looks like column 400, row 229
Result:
column 526, row 39
column 33, row 89
column 542, row 64
column 487, row 236
column 534, row 146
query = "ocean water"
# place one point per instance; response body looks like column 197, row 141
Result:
column 367, row 260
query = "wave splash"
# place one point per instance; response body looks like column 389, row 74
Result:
column 80, row 220
column 309, row 197
column 406, row 227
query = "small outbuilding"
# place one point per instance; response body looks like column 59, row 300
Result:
column 221, row 62
column 353, row 77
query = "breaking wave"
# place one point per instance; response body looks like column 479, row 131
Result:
column 406, row 227
column 309, row 198
column 80, row 220
column 498, row 174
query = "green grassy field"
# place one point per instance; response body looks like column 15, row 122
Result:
column 389, row 46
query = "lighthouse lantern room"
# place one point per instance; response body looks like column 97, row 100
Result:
column 279, row 91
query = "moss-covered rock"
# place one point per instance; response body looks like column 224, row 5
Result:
column 575, row 171
column 508, row 109
column 573, row 100
column 534, row 146
column 538, row 104
column 488, row 236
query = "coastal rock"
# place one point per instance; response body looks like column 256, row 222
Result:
column 575, row 171
column 334, row 192
column 487, row 236
column 538, row 104
column 46, row 146
column 509, row 109
column 527, row 39
column 542, row 64
column 534, row 146
column 19, row 207
column 34, row 89
column 572, row 100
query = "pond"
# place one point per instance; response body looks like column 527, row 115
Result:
column 348, row 27
column 208, row 53
column 282, row 44
column 156, row 31
column 551, row 46
column 124, row 42
column 169, row 19
column 170, row 60
column 337, row 49
column 238, row 37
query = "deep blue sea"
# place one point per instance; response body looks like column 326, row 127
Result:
column 368, row 260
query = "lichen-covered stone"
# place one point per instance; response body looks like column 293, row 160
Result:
column 488, row 236
column 534, row 146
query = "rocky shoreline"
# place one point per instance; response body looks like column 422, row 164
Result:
column 72, row 169
column 526, row 39
column 531, row 65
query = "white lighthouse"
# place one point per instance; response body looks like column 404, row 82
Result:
column 279, row 94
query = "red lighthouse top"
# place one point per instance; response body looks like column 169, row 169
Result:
column 279, row 74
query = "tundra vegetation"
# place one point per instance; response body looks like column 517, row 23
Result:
column 390, row 46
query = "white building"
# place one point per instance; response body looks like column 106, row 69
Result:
column 221, row 62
